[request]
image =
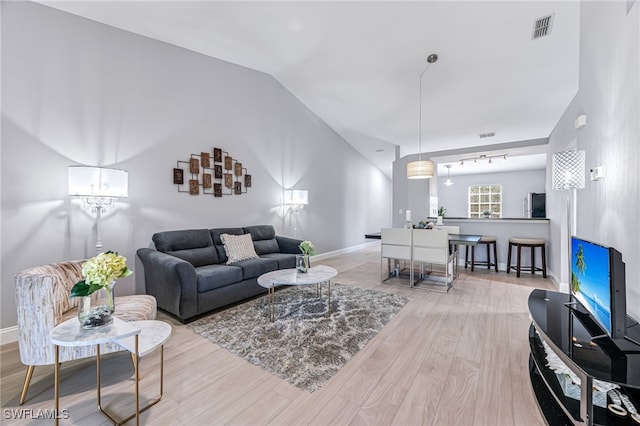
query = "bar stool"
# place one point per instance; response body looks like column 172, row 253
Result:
column 488, row 241
column 532, row 243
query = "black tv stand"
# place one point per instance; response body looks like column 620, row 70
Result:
column 627, row 344
column 573, row 337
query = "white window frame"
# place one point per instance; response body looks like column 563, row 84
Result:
column 486, row 190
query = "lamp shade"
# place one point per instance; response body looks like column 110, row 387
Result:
column 422, row 169
column 296, row 197
column 87, row 181
column 568, row 170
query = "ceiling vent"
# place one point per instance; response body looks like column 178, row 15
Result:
column 542, row 26
column 487, row 135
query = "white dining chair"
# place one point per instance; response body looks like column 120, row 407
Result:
column 432, row 247
column 396, row 246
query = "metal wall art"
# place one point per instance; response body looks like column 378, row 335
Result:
column 206, row 172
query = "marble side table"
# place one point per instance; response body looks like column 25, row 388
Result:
column 152, row 334
column 138, row 337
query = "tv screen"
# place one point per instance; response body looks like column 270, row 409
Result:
column 591, row 280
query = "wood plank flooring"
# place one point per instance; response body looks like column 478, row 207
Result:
column 459, row 358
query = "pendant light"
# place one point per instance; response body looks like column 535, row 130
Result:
column 421, row 169
column 449, row 182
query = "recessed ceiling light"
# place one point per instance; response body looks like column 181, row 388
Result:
column 379, row 150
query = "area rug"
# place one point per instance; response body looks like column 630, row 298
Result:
column 303, row 345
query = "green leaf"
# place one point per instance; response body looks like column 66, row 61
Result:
column 80, row 289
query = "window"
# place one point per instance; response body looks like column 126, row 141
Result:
column 485, row 198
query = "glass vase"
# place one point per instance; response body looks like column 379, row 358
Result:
column 302, row 263
column 96, row 310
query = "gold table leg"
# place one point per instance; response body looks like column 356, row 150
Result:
column 136, row 367
column 329, row 299
column 271, row 299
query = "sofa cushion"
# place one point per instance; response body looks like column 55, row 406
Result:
column 216, row 276
column 193, row 245
column 266, row 246
column 238, row 247
column 253, row 268
column 285, row 260
column 260, row 232
column 197, row 257
column 264, row 238
column 217, row 241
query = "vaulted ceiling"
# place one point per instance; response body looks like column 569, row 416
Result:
column 356, row 64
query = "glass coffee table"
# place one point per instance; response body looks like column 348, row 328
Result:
column 317, row 275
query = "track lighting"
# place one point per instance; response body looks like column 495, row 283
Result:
column 489, row 158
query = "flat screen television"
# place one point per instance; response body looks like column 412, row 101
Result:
column 598, row 283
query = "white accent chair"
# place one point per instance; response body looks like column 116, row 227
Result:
column 395, row 244
column 42, row 301
column 432, row 246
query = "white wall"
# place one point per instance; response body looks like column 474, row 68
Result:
column 609, row 94
column 515, row 187
column 79, row 92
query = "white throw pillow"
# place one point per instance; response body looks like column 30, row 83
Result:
column 238, row 247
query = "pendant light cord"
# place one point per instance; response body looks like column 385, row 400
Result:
column 431, row 59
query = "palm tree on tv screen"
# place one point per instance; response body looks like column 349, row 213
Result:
column 582, row 266
column 580, row 263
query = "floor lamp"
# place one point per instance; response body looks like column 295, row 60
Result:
column 99, row 188
column 569, row 174
column 296, row 199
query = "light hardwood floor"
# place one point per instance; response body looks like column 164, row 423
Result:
column 459, row 358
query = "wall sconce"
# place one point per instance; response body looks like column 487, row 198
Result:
column 296, row 199
column 580, row 122
column 98, row 187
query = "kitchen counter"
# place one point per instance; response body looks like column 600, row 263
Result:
column 502, row 229
column 495, row 219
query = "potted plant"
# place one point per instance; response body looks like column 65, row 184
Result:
column 302, row 262
column 96, row 289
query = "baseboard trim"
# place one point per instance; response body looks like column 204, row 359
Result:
column 9, row 335
column 562, row 286
column 345, row 250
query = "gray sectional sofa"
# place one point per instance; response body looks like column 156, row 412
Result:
column 188, row 275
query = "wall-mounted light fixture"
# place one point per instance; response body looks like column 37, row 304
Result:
column 98, row 187
column 449, row 182
column 481, row 157
column 296, row 199
column 580, row 122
